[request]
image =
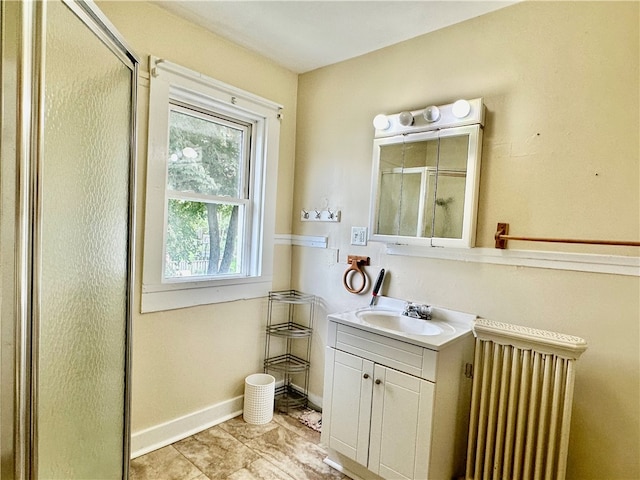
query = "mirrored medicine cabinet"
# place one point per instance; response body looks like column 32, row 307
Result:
column 426, row 172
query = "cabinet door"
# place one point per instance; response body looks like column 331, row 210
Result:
column 349, row 421
column 400, row 425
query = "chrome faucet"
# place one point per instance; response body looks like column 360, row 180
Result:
column 416, row 310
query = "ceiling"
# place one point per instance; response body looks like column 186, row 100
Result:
column 303, row 35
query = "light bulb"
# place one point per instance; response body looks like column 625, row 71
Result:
column 431, row 114
column 461, row 108
column 381, row 122
column 405, row 119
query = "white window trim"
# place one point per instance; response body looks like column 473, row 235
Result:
column 171, row 81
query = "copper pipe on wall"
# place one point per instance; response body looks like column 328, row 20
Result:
column 502, row 235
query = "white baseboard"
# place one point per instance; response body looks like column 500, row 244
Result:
column 145, row 441
column 315, row 401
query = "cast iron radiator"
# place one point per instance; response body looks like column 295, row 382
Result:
column 521, row 402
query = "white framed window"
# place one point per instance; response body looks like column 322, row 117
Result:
column 210, row 205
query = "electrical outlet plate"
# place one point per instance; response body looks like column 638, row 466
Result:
column 358, row 235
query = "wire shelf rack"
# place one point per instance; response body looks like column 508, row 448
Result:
column 290, row 319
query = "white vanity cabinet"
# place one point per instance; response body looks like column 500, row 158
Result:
column 380, row 417
column 394, row 409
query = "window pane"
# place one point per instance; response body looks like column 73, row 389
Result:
column 202, row 239
column 205, row 156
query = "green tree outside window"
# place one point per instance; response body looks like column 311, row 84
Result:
column 206, row 159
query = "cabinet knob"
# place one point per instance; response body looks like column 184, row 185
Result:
column 366, row 375
column 378, row 381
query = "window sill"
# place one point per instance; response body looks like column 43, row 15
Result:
column 157, row 298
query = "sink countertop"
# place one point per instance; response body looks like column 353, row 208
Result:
column 454, row 324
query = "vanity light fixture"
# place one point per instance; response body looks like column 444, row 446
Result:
column 430, row 118
column 431, row 114
column 405, row 119
column 381, row 122
column 461, row 108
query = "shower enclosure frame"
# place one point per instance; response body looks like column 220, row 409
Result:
column 22, row 120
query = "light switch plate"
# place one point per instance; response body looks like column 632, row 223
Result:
column 358, row 235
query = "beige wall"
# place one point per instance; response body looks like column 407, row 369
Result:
column 561, row 157
column 561, row 154
column 187, row 360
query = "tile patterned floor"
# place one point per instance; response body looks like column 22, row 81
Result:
column 283, row 449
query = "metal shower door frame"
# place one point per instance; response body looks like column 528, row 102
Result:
column 26, row 74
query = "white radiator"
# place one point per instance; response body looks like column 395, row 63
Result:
column 521, row 402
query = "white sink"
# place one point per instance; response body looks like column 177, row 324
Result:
column 385, row 318
column 390, row 320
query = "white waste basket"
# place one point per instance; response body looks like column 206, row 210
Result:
column 259, row 391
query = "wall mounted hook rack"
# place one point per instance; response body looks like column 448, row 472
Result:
column 316, row 215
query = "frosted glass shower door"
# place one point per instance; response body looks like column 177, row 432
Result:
column 82, row 253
